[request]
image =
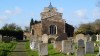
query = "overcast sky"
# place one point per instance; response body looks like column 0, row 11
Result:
column 74, row 12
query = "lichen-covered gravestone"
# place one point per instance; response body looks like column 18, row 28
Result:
column 45, row 38
column 58, row 45
column 42, row 49
column 67, row 46
column 89, row 47
column 80, row 52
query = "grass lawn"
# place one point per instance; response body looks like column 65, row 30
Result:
column 5, row 48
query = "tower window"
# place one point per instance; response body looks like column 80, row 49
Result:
column 32, row 32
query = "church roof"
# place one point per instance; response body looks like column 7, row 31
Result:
column 50, row 6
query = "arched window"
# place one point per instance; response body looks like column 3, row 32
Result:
column 32, row 32
column 53, row 29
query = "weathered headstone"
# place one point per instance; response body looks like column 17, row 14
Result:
column 58, row 45
column 0, row 38
column 80, row 52
column 81, row 43
column 42, row 49
column 89, row 47
column 45, row 38
column 67, row 47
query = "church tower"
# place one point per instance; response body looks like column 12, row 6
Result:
column 52, row 22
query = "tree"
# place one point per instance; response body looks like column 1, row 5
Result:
column 11, row 26
column 89, row 28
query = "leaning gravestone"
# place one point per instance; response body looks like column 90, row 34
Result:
column 80, row 52
column 81, row 43
column 0, row 38
column 67, row 46
column 58, row 45
column 45, row 38
column 42, row 49
column 89, row 48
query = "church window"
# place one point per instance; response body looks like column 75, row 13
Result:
column 53, row 29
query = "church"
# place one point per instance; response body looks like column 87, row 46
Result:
column 51, row 23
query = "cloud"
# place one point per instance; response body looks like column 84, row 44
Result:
column 16, row 11
column 80, row 13
column 6, row 14
column 61, row 10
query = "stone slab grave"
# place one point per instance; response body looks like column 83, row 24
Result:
column 58, row 45
column 0, row 38
column 80, row 52
column 81, row 43
column 67, row 46
column 89, row 47
column 43, row 49
column 45, row 38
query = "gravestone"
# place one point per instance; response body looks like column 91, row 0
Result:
column 6, row 39
column 81, row 43
column 89, row 47
column 42, row 49
column 80, row 52
column 80, row 36
column 33, row 45
column 58, row 45
column 67, row 46
column 98, row 37
column 45, row 38
column 0, row 38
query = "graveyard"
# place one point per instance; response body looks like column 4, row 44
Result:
column 50, row 28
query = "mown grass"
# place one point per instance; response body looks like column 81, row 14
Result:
column 5, row 48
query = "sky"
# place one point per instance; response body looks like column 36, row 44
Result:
column 75, row 12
